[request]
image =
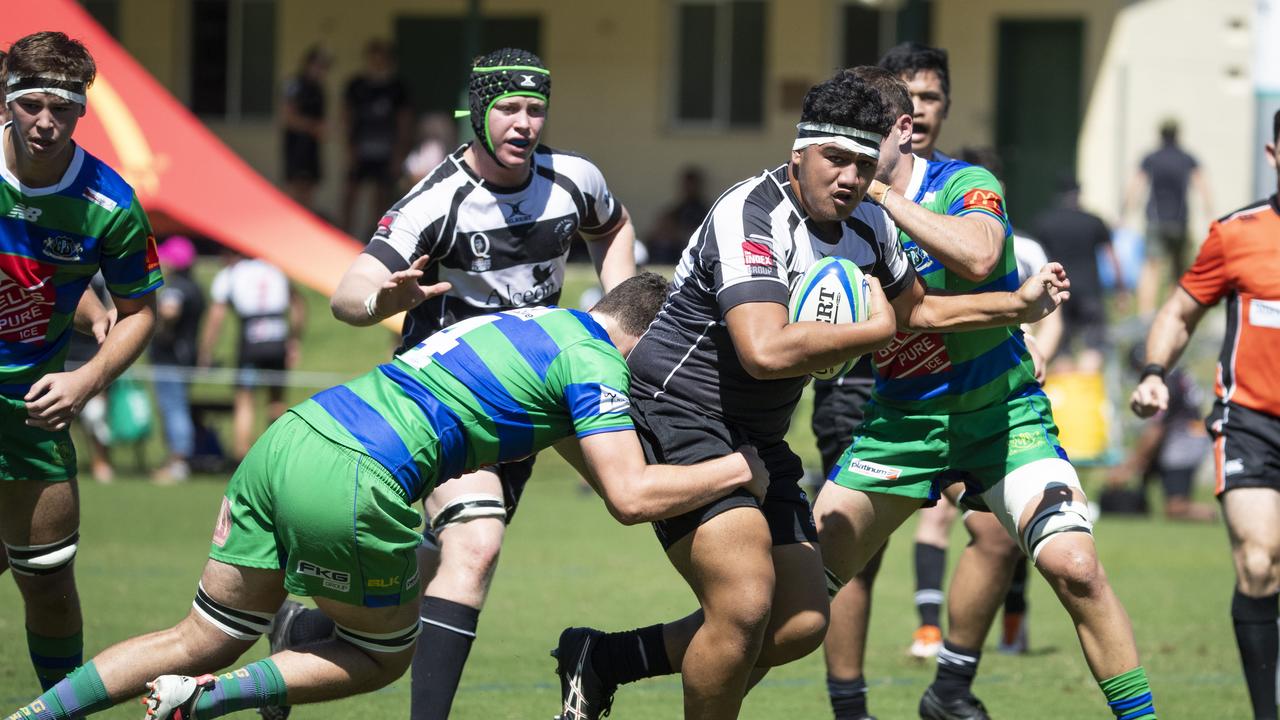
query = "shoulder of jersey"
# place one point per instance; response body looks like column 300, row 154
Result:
column 563, row 162
column 439, row 185
column 100, row 184
column 1249, row 211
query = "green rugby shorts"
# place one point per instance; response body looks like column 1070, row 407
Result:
column 28, row 453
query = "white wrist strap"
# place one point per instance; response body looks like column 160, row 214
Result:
column 370, row 303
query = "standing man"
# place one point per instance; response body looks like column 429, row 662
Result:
column 65, row 216
column 722, row 365
column 497, row 219
column 1239, row 262
column 180, row 309
column 377, row 119
column 304, row 126
column 323, row 506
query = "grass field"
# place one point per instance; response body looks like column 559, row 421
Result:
column 566, row 562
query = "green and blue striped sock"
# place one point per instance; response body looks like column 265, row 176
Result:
column 253, row 686
column 78, row 694
column 54, row 657
column 1129, row 695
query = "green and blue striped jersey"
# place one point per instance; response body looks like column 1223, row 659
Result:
column 488, row 389
column 52, row 241
column 929, row 373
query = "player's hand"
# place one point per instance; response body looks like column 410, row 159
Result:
column 56, row 399
column 102, row 325
column 759, row 483
column 1043, row 292
column 1150, row 397
column 401, row 291
column 881, row 311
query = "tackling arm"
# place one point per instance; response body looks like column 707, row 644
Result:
column 930, row 310
column 968, row 245
column 614, row 254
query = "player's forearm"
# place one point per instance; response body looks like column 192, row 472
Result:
column 800, row 348
column 615, row 257
column 956, row 313
column 967, row 246
column 1169, row 334
column 663, row 491
column 88, row 311
column 122, row 347
column 348, row 302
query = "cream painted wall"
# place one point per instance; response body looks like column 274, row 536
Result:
column 1143, row 61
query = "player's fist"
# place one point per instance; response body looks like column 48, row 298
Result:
column 759, row 482
column 1150, row 397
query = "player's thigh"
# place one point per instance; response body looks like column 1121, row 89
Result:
column 853, row 525
column 38, row 513
column 801, row 607
column 484, row 481
column 1036, row 502
column 933, row 524
column 386, row 634
column 728, row 563
column 467, row 516
column 1252, row 515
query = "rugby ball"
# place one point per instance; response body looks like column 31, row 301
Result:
column 834, row 291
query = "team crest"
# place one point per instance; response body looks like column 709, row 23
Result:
column 61, row 247
column 480, row 261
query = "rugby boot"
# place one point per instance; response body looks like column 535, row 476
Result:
column 583, row 695
column 967, row 707
column 173, row 697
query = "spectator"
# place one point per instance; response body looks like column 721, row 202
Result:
column 680, row 219
column 304, row 114
column 174, row 348
column 1171, row 447
column 1071, row 235
column 271, row 316
column 376, row 118
column 437, row 137
column 1165, row 175
column 93, row 419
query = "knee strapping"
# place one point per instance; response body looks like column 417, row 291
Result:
column 238, row 624
column 1068, row 516
column 466, row 508
column 43, row 559
column 391, row 642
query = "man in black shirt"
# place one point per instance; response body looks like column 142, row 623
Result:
column 377, row 120
column 174, row 347
column 1072, row 236
column 304, row 111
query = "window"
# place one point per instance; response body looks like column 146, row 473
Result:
column 868, row 31
column 720, row 63
column 106, row 13
column 233, row 58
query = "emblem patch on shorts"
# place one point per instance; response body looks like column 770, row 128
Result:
column 222, row 529
column 332, row 579
column 1024, row 441
column 875, row 470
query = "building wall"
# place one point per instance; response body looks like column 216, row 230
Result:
column 1144, row 61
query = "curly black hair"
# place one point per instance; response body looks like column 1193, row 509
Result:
column 909, row 58
column 847, row 100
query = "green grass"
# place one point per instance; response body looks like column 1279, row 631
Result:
column 566, row 562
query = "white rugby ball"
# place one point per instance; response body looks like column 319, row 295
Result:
column 834, row 291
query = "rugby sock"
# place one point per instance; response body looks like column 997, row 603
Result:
column 931, row 563
column 78, row 694
column 1256, row 635
column 255, row 685
column 624, row 657
column 848, row 698
column 1015, row 601
column 1129, row 695
column 54, row 657
column 448, row 629
column 956, row 668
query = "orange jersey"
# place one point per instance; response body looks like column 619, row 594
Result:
column 1240, row 260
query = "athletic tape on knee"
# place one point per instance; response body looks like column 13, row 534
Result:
column 381, row 642
column 239, row 624
column 43, row 559
column 466, row 508
column 1069, row 516
column 834, row 583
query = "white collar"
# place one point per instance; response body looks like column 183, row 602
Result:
column 918, row 167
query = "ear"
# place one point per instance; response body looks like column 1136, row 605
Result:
column 903, row 127
column 796, row 155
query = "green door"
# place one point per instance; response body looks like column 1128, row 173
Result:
column 1037, row 109
column 429, row 51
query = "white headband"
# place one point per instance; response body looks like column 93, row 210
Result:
column 851, row 139
column 58, row 85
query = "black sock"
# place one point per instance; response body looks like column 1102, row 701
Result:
column 309, row 626
column 448, row 629
column 956, row 668
column 848, row 698
column 1015, row 601
column 931, row 563
column 624, row 657
column 1259, row 641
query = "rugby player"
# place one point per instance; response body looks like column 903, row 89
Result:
column 64, row 215
column 488, row 389
column 498, row 217
column 1238, row 261
column 722, row 365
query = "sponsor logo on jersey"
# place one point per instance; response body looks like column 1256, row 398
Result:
column 984, row 200
column 384, row 225
column 480, row 247
column 153, row 254
column 99, row 199
column 1234, row 466
column 26, row 213
column 1024, row 441
column 26, row 298
column 222, row 528
column 757, row 256
column 565, row 228
column 61, row 247
column 389, row 582
column 613, row 401
column 332, row 579
column 875, row 470
column 913, row 355
column 1264, row 313
column 542, row 273
column 515, row 214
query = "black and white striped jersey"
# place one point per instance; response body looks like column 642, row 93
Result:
column 755, row 244
column 501, row 248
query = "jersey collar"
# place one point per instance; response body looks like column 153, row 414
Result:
column 68, row 177
column 919, row 166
